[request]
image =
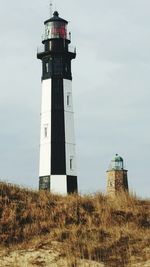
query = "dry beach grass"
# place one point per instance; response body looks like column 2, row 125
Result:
column 73, row 231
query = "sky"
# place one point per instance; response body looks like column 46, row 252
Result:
column 111, row 89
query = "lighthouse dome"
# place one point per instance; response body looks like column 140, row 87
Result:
column 117, row 163
column 117, row 158
column 56, row 18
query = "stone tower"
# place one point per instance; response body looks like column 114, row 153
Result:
column 117, row 178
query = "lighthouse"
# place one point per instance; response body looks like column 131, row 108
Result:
column 117, row 177
column 57, row 166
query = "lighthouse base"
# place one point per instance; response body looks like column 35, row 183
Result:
column 59, row 184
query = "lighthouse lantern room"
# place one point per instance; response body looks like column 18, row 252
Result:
column 57, row 168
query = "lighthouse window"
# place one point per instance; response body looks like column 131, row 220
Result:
column 71, row 163
column 67, row 68
column 46, row 130
column 111, row 184
column 68, row 100
column 47, row 67
column 50, row 45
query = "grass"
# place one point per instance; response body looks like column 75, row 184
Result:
column 114, row 231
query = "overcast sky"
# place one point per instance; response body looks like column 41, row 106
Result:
column 111, row 89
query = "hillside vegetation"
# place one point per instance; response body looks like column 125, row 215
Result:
column 115, row 232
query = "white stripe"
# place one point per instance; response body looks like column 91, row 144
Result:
column 45, row 151
column 58, row 184
column 69, row 129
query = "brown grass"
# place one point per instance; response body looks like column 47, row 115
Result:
column 113, row 231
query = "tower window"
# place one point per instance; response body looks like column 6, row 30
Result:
column 50, row 45
column 66, row 68
column 47, row 67
column 71, row 163
column 111, row 183
column 68, row 100
column 46, row 131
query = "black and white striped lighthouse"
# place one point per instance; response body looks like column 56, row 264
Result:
column 57, row 170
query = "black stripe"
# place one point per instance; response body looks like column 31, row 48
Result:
column 58, row 161
column 72, row 185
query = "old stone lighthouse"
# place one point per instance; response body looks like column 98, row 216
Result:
column 117, row 179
